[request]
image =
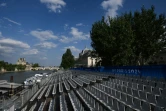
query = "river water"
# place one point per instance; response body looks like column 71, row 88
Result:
column 19, row 77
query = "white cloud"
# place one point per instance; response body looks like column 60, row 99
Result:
column 6, row 49
column 43, row 35
column 31, row 52
column 8, row 46
column 76, row 35
column 111, row 6
column 75, row 42
column 13, row 43
column 2, row 4
column 54, row 5
column 14, row 22
column 11, row 49
column 47, row 45
column 43, row 58
column 72, row 48
column 79, row 24
column 65, row 39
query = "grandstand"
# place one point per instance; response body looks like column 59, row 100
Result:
column 78, row 90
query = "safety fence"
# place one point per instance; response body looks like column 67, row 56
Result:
column 157, row 71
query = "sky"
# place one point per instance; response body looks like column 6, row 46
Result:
column 41, row 30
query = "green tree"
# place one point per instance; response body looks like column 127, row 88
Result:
column 150, row 37
column 67, row 59
column 21, row 67
column 35, row 65
column 112, row 39
column 130, row 38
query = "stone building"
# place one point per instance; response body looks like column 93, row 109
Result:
column 21, row 61
column 2, row 69
column 85, row 59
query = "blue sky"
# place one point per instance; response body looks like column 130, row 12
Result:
column 41, row 30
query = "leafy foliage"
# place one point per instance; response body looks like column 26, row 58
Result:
column 35, row 65
column 129, row 39
column 67, row 59
column 21, row 67
column 11, row 67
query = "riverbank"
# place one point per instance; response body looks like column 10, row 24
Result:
column 2, row 72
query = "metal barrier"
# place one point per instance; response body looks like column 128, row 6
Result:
column 25, row 95
column 157, row 71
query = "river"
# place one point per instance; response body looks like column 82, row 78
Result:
column 19, row 77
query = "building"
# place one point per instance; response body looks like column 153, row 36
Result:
column 21, row 61
column 2, row 69
column 28, row 66
column 85, row 59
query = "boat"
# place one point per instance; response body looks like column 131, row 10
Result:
column 35, row 79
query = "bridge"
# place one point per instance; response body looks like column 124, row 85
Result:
column 44, row 68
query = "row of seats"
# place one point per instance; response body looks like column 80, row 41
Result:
column 76, row 103
column 63, row 105
column 89, row 100
column 134, row 86
column 99, row 92
column 144, row 82
column 51, row 105
column 126, row 93
column 139, row 77
column 149, row 95
column 41, row 107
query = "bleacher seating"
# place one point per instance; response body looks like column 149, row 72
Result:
column 95, row 91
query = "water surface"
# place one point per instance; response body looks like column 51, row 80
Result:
column 19, row 77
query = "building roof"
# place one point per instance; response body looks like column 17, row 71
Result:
column 85, row 52
column 8, row 85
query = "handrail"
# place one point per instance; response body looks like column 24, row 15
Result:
column 72, row 83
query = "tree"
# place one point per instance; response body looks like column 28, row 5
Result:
column 109, row 43
column 35, row 65
column 21, row 67
column 130, row 38
column 11, row 67
column 150, row 37
column 67, row 60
